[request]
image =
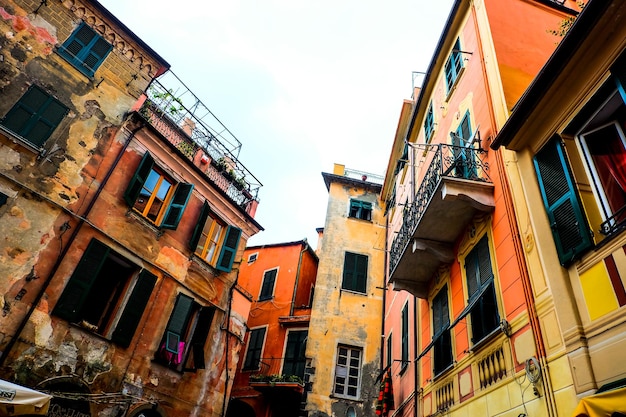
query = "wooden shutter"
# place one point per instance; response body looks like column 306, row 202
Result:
column 177, row 206
column 85, row 49
column 175, row 330
column 198, row 339
column 349, row 265
column 139, row 178
column 197, row 231
column 267, row 289
column 229, row 249
column 135, row 306
column 361, row 273
column 255, row 346
column 97, row 52
column 405, row 334
column 295, row 360
column 567, row 221
column 75, row 293
column 35, row 116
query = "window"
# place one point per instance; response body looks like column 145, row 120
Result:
column 267, row 288
column 442, row 343
column 213, row 241
column 182, row 345
column 255, row 347
column 402, row 160
column 85, row 49
column 389, row 350
column 563, row 207
column 453, row 66
column 405, row 336
column 35, row 116
column 360, row 210
column 348, row 372
column 105, row 294
column 295, row 360
column 3, row 199
column 253, row 257
column 429, row 124
column 462, row 150
column 483, row 309
column 354, row 272
column 156, row 196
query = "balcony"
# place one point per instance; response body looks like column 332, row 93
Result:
column 454, row 188
column 271, row 381
column 189, row 126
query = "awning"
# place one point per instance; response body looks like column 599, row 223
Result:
column 604, row 404
column 16, row 400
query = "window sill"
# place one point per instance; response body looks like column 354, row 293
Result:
column 359, row 219
column 485, row 340
column 153, row 227
column 21, row 141
column 265, row 299
column 346, row 397
column 353, row 292
column 443, row 372
column 90, row 78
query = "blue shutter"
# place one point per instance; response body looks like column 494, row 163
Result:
column 197, row 231
column 138, row 179
column 75, row 293
column 137, row 302
column 229, row 249
column 175, row 330
column 177, row 206
column 85, row 49
column 569, row 225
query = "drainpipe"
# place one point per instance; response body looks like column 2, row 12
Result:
column 64, row 251
column 384, row 288
column 415, row 363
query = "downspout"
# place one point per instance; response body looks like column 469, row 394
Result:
column 525, row 278
column 65, row 249
column 415, row 361
column 385, row 281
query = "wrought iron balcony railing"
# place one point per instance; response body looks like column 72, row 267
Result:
column 175, row 112
column 447, row 161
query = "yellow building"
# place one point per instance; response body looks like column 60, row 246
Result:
column 566, row 152
column 343, row 348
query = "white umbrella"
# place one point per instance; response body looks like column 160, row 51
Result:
column 16, row 400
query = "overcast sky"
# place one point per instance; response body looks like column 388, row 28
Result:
column 302, row 84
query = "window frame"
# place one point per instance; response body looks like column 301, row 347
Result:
column 118, row 321
column 254, row 353
column 228, row 246
column 174, row 203
column 349, row 366
column 268, row 284
column 360, row 209
column 25, row 127
column 354, row 278
column 404, row 333
column 88, row 49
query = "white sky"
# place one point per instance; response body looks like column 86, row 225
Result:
column 302, row 84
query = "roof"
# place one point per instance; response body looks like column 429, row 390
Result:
column 368, row 185
column 304, row 242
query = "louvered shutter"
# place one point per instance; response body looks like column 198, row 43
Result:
column 96, row 54
column 229, row 249
column 349, row 265
column 85, row 49
column 175, row 330
column 255, row 346
column 197, row 231
column 75, row 293
column 361, row 273
column 267, row 289
column 138, row 179
column 133, row 311
column 177, row 206
column 569, row 225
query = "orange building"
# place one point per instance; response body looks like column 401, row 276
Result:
column 460, row 325
column 280, row 279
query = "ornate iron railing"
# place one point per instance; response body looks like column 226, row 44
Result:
column 447, row 161
column 181, row 118
column 614, row 224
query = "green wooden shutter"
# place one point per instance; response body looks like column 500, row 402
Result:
column 85, row 49
column 267, row 288
column 569, row 225
column 135, row 306
column 349, row 265
column 361, row 273
column 255, row 347
column 35, row 115
column 177, row 206
column 139, row 178
column 405, row 335
column 178, row 321
column 75, row 293
column 229, row 249
column 95, row 55
column 197, row 231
